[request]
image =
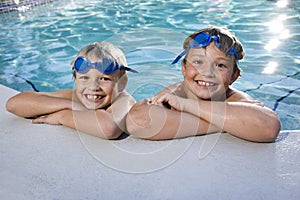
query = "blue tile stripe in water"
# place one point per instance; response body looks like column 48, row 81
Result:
column 282, row 97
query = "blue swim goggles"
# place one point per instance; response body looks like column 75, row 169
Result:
column 82, row 65
column 202, row 40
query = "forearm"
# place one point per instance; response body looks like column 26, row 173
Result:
column 158, row 123
column 244, row 120
column 31, row 104
column 96, row 123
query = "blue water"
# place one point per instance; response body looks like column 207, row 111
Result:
column 37, row 44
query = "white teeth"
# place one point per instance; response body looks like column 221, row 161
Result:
column 92, row 97
column 205, row 83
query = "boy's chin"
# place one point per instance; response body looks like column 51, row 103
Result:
column 90, row 106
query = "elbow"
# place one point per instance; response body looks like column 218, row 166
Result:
column 271, row 130
column 111, row 133
column 135, row 125
column 274, row 130
column 11, row 105
column 137, row 121
column 140, row 124
column 136, row 129
column 112, row 136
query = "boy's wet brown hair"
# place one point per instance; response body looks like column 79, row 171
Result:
column 226, row 39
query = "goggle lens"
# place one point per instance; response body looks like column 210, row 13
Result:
column 81, row 66
column 107, row 66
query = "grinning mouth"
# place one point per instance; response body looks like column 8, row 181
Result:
column 205, row 83
column 93, row 97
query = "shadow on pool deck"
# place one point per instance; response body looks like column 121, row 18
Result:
column 40, row 161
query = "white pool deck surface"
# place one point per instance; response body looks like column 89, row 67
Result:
column 40, row 161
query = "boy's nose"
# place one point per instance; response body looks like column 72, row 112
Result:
column 208, row 70
column 95, row 85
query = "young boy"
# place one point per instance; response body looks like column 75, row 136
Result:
column 98, row 104
column 204, row 101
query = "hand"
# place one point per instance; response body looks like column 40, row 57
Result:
column 168, row 90
column 258, row 103
column 53, row 118
column 175, row 102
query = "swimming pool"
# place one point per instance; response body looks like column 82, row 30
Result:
column 38, row 44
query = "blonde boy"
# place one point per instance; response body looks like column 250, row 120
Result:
column 97, row 105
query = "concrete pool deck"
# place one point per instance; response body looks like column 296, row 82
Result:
column 39, row 161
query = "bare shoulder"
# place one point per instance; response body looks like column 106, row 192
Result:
column 234, row 95
column 124, row 101
column 125, row 96
column 174, row 88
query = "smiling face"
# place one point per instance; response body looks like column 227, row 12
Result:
column 208, row 72
column 96, row 90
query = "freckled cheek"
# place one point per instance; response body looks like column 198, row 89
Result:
column 225, row 79
column 108, row 88
column 191, row 72
column 79, row 88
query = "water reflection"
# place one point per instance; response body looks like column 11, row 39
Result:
column 270, row 68
column 282, row 3
column 280, row 33
column 272, row 44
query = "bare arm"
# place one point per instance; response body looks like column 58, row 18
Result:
column 107, row 124
column 155, row 122
column 32, row 104
column 245, row 120
column 97, row 123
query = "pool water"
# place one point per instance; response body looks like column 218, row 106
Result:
column 38, row 44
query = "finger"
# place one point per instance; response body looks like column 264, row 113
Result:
column 158, row 101
column 260, row 104
column 149, row 100
column 39, row 120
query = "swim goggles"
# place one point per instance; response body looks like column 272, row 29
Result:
column 107, row 66
column 202, row 40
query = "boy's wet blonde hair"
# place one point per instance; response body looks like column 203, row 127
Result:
column 226, row 40
column 98, row 50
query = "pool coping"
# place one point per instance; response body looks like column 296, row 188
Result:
column 54, row 162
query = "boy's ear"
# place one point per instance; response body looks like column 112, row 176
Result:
column 235, row 76
column 183, row 68
column 122, row 82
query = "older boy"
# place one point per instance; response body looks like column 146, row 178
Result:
column 204, row 102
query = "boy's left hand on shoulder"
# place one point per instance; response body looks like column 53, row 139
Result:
column 171, row 100
column 255, row 102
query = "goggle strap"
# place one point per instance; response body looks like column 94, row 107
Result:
column 180, row 56
column 233, row 51
column 128, row 69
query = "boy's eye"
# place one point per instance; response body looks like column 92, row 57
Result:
column 84, row 77
column 221, row 65
column 105, row 79
column 197, row 62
